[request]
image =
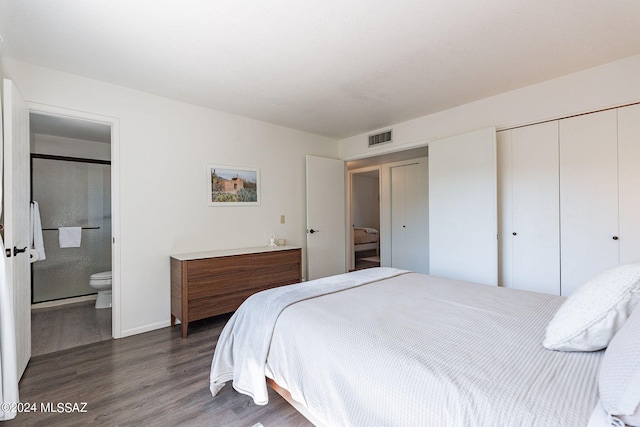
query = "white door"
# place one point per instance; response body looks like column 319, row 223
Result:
column 629, row 179
column 398, row 217
column 463, row 242
column 529, row 208
column 417, row 216
column 16, row 215
column 410, row 217
column 326, row 217
column 588, row 197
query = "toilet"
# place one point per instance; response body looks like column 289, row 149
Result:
column 101, row 282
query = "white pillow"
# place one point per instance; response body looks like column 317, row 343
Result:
column 619, row 381
column 595, row 311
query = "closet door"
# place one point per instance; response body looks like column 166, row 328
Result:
column 417, row 216
column 398, row 215
column 529, row 208
column 410, row 217
column 463, row 226
column 588, row 197
column 505, row 207
column 629, row 179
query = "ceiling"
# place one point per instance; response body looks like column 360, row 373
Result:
column 331, row 67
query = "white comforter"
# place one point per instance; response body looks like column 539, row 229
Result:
column 241, row 352
column 411, row 350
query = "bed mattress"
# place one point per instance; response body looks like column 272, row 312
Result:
column 362, row 236
column 418, row 350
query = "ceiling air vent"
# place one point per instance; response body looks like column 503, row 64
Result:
column 380, row 138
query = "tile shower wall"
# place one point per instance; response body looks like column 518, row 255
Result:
column 71, row 194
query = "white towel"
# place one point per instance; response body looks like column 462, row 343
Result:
column 69, row 237
column 37, row 242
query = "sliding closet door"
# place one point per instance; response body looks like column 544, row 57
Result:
column 529, row 208
column 629, row 178
column 462, row 207
column 410, row 216
column 588, row 197
column 398, row 224
column 417, row 216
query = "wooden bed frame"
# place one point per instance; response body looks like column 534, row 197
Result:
column 297, row 405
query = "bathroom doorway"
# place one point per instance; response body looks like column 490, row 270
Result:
column 71, row 183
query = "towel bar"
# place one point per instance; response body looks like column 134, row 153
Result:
column 84, row 228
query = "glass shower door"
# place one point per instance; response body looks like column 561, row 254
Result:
column 71, row 193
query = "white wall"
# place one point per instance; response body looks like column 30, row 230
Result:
column 164, row 147
column 608, row 85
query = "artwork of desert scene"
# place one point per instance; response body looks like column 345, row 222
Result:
column 233, row 185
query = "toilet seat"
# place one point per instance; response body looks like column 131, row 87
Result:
column 100, row 278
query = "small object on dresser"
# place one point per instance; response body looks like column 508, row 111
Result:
column 272, row 241
column 281, row 242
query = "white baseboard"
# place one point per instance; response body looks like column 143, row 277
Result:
column 145, row 328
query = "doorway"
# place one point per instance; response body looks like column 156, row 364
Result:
column 365, row 218
column 71, row 182
column 380, row 164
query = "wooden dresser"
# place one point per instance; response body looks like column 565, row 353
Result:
column 206, row 284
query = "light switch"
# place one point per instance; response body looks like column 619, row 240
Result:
column 281, row 219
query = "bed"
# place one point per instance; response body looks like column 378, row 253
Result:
column 384, row 346
column 365, row 239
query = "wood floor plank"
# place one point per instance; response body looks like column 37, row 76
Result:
column 157, row 378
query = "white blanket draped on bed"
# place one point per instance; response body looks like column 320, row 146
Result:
column 243, row 346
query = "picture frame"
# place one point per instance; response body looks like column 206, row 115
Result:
column 232, row 185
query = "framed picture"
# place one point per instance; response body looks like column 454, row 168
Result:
column 232, row 185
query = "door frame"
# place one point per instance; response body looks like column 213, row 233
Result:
column 350, row 225
column 114, row 122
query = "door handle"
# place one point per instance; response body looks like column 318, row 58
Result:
column 17, row 251
column 313, row 231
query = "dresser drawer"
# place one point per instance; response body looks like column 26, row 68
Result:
column 276, row 275
column 220, row 284
column 270, row 259
column 204, row 268
column 276, row 269
column 201, row 308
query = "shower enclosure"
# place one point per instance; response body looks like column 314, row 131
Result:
column 71, row 192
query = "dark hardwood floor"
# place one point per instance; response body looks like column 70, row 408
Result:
column 156, row 378
column 66, row 326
